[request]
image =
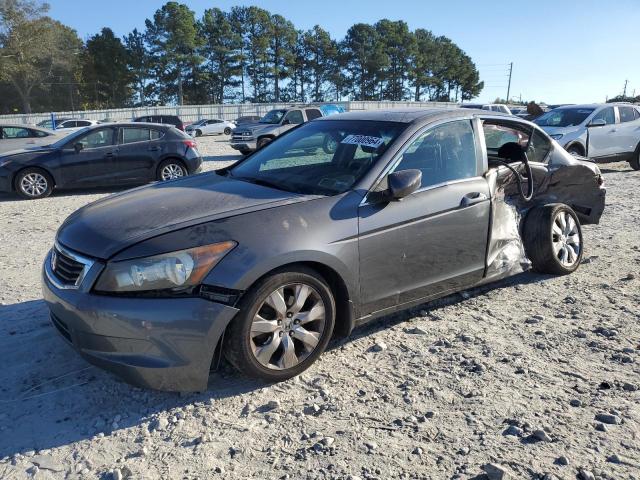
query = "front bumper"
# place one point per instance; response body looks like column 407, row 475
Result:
column 160, row 343
column 241, row 144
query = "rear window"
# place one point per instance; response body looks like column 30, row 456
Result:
column 132, row 135
column 312, row 113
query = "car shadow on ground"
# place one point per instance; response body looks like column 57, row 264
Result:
column 50, row 397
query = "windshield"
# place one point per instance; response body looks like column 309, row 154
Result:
column 199, row 122
column 319, row 158
column 273, row 116
column 564, row 117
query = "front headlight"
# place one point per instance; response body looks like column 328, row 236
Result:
column 175, row 270
column 557, row 136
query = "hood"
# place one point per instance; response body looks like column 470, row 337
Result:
column 256, row 128
column 562, row 130
column 103, row 228
column 25, row 154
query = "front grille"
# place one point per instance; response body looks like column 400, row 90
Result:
column 65, row 268
column 61, row 327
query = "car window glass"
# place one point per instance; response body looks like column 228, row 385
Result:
column 131, row 135
column 606, row 114
column 497, row 135
column 155, row 134
column 443, row 153
column 323, row 158
column 626, row 114
column 313, row 113
column 83, row 123
column 96, row 139
column 38, row 133
column 294, row 117
column 539, row 147
column 15, row 132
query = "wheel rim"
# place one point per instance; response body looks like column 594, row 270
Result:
column 566, row 239
column 171, row 172
column 34, row 184
column 288, row 326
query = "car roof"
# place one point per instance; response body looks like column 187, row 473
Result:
column 596, row 105
column 409, row 115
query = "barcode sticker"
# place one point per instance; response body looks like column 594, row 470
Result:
column 363, row 140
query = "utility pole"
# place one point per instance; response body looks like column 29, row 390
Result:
column 509, row 86
column 624, row 91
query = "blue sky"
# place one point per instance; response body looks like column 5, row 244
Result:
column 562, row 51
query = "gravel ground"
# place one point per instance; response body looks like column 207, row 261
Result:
column 533, row 377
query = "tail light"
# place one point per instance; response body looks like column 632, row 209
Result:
column 190, row 143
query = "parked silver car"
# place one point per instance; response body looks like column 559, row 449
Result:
column 598, row 131
column 15, row 137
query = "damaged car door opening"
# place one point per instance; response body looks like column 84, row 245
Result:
column 332, row 224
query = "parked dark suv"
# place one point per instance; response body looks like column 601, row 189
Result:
column 162, row 119
column 103, row 155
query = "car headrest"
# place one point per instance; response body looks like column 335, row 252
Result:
column 511, row 151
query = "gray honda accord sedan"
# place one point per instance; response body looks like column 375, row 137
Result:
column 337, row 222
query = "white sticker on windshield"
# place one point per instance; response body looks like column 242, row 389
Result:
column 364, row 140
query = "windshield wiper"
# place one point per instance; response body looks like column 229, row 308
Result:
column 262, row 182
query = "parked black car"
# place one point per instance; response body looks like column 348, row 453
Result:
column 104, row 155
column 163, row 120
column 267, row 259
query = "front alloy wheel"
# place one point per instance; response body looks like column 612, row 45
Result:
column 284, row 324
column 33, row 183
column 287, row 326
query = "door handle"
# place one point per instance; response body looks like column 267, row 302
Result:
column 108, row 155
column 473, row 198
column 154, row 149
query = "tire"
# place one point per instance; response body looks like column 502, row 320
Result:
column 259, row 342
column 575, row 149
column 227, row 131
column 548, row 241
column 329, row 144
column 635, row 161
column 33, row 183
column 263, row 141
column 171, row 169
column 198, row 133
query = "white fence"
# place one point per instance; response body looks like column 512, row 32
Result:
column 190, row 113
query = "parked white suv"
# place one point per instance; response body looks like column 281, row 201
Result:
column 492, row 107
column 598, row 131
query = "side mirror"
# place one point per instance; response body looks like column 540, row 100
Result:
column 78, row 147
column 286, row 122
column 599, row 122
column 403, row 183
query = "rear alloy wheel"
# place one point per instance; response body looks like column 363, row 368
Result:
column 227, row 131
column 33, row 183
column 284, row 324
column 553, row 239
column 171, row 170
column 635, row 161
